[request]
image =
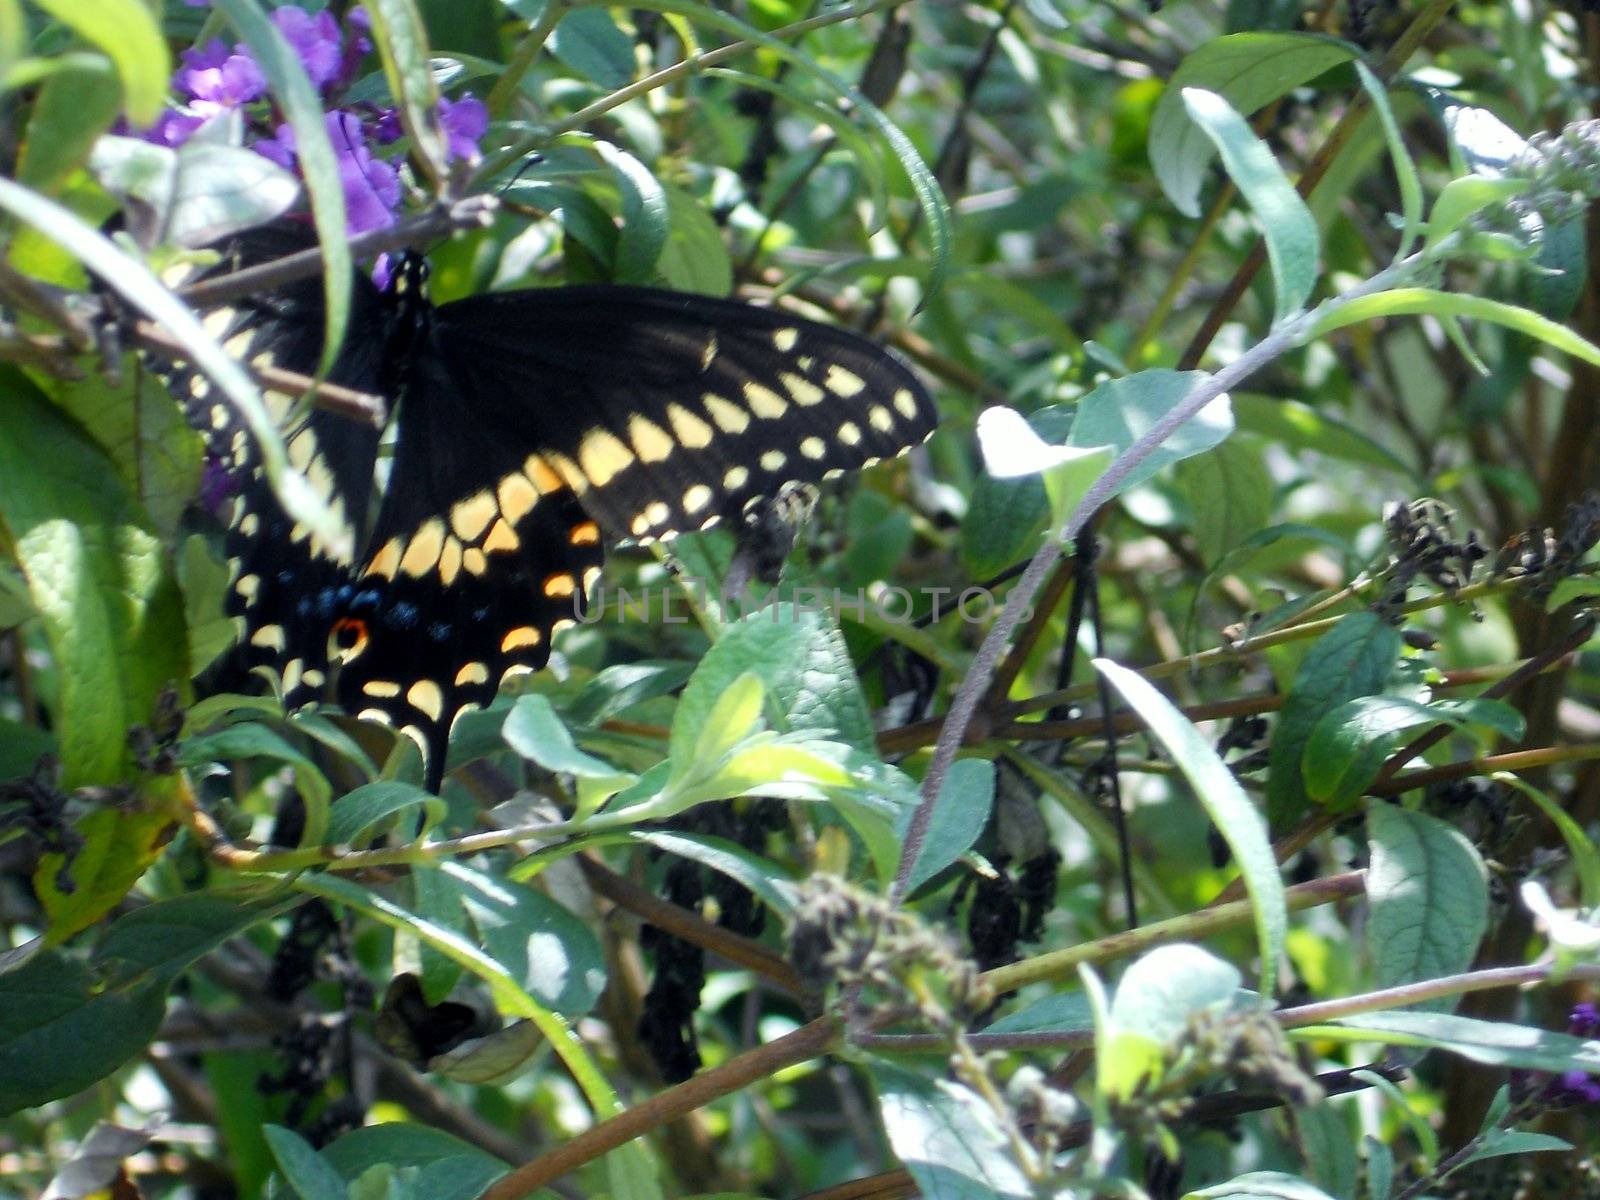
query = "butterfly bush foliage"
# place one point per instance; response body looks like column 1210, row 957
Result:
column 217, row 79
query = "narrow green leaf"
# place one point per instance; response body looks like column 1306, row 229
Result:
column 1286, row 223
column 250, row 740
column 1061, row 1012
column 1405, row 170
column 128, row 34
column 1380, row 1168
column 588, row 41
column 1429, row 896
column 159, row 941
column 1354, row 658
column 13, row 36
column 1302, row 427
column 535, row 732
column 318, row 164
column 960, row 813
column 1328, row 1143
column 1495, row 1043
column 1231, row 811
column 1248, row 70
column 96, row 576
column 1500, row 1142
column 1400, row 302
column 401, row 39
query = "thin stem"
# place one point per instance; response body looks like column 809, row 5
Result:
column 527, row 53
column 1431, row 989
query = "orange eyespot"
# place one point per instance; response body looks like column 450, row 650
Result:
column 347, row 638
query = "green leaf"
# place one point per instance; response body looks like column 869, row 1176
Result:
column 403, row 1144
column 535, row 732
column 804, row 666
column 1399, row 302
column 1494, row 1043
column 203, row 580
column 1428, row 893
column 1286, row 223
column 1066, row 1012
column 119, row 844
column 1261, row 1185
column 402, row 43
column 550, row 952
column 359, row 813
column 76, row 104
column 588, row 41
column 645, row 213
column 60, row 1031
column 1405, row 170
column 319, row 166
column 13, row 36
column 1231, row 811
column 946, row 1137
column 1328, row 1142
column 63, row 1026
column 694, row 258
column 734, row 716
column 96, row 575
column 1005, row 516
column 1121, row 411
column 1151, row 1010
column 1380, row 1168
column 1229, row 490
column 1011, row 450
column 128, row 34
column 1498, row 1143
column 1348, row 746
column 960, row 813
column 1463, row 198
column 1249, row 71
column 1354, row 658
column 306, row 1171
column 765, row 878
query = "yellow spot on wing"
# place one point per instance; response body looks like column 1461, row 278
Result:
column 785, row 339
column 764, row 402
column 802, row 390
column 559, row 586
column 426, row 697
column 270, row 637
column 471, row 516
column 696, row 497
column 423, row 552
column 730, row 418
column 773, row 460
column 517, row 496
column 543, row 475
column 381, row 689
column 688, row 428
column 449, row 561
column 842, row 382
column 906, row 403
column 386, row 560
column 473, row 672
column 850, row 433
column 878, row 416
column 650, row 442
column 247, row 586
column 473, row 560
column 814, row 448
column 586, row 533
column 500, row 538
column 522, row 635
column 602, row 455
column 736, row 478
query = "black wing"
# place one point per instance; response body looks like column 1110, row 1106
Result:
column 666, row 411
column 286, row 584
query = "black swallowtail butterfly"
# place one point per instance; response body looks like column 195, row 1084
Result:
column 531, row 427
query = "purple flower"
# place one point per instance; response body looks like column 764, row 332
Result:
column 173, row 128
column 387, row 127
column 1584, row 1020
column 220, row 77
column 371, row 186
column 1572, row 1088
column 464, row 122
column 314, row 39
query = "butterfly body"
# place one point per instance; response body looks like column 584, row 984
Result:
column 531, row 428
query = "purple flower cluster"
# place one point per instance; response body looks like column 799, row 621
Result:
column 216, row 78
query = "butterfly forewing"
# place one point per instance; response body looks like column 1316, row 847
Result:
column 669, row 412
